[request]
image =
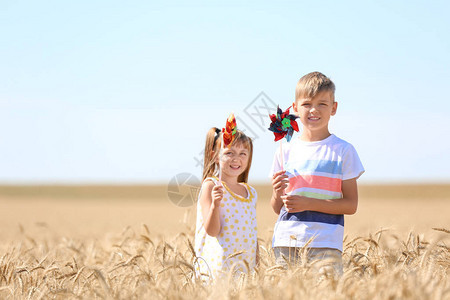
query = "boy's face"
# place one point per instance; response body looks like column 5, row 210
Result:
column 315, row 113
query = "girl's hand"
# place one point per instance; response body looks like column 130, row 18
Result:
column 217, row 195
column 279, row 183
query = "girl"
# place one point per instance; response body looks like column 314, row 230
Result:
column 225, row 236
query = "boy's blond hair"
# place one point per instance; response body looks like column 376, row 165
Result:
column 312, row 84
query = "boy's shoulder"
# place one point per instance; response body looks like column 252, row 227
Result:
column 341, row 145
column 338, row 141
column 303, row 150
column 332, row 140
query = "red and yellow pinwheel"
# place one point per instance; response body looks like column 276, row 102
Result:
column 229, row 132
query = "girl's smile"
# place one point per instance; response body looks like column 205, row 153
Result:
column 234, row 160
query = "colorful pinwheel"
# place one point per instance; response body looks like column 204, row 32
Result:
column 283, row 124
column 229, row 132
column 228, row 135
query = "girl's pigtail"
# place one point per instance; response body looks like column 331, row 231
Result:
column 211, row 146
column 248, row 144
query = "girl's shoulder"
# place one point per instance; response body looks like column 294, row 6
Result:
column 210, row 181
column 248, row 186
column 207, row 185
column 251, row 190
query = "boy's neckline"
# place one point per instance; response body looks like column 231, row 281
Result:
column 316, row 142
column 308, row 136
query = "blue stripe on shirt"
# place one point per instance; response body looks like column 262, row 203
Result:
column 324, row 166
column 311, row 216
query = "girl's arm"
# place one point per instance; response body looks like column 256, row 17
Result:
column 346, row 205
column 210, row 199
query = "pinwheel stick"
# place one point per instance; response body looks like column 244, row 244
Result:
column 228, row 135
column 281, row 156
column 220, row 160
column 283, row 125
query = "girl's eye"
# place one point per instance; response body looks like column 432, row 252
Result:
column 243, row 153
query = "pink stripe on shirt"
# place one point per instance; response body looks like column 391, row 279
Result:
column 315, row 182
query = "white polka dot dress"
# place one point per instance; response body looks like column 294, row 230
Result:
column 235, row 246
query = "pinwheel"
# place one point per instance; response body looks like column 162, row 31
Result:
column 228, row 135
column 283, row 125
column 229, row 132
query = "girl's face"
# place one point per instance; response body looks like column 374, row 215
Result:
column 234, row 160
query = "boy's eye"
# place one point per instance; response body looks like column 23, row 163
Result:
column 306, row 104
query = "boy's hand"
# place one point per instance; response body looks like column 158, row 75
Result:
column 279, row 183
column 295, row 203
column 217, row 195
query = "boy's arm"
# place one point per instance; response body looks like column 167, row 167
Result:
column 279, row 184
column 346, row 205
column 276, row 202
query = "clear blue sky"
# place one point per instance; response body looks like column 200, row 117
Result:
column 113, row 91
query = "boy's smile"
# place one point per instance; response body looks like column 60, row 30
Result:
column 315, row 113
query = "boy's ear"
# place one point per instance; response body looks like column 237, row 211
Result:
column 334, row 109
column 294, row 106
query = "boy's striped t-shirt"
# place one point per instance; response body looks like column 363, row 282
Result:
column 316, row 170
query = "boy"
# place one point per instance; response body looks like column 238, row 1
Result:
column 317, row 184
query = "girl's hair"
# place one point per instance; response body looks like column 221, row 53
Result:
column 212, row 150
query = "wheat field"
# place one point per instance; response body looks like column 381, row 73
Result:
column 132, row 242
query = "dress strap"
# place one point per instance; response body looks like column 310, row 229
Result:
column 213, row 179
column 238, row 197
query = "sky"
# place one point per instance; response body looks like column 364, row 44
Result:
column 114, row 92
